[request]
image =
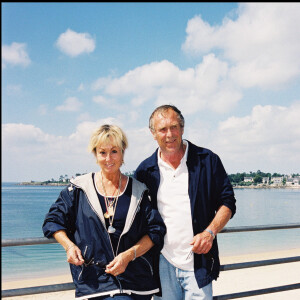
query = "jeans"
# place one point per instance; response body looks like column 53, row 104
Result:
column 178, row 284
column 125, row 297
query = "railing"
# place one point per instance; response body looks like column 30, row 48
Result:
column 228, row 267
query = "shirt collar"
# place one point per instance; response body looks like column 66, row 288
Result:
column 183, row 160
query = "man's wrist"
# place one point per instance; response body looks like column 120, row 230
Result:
column 134, row 253
column 210, row 232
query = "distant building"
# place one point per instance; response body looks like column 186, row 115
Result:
column 277, row 180
column 265, row 180
column 293, row 181
column 248, row 179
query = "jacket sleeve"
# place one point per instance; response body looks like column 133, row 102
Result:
column 61, row 215
column 224, row 191
column 156, row 228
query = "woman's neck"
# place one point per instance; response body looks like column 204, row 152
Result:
column 109, row 183
column 110, row 178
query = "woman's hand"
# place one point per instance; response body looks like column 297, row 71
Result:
column 119, row 264
column 73, row 252
column 74, row 255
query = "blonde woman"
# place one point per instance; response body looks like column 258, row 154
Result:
column 106, row 224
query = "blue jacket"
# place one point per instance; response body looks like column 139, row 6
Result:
column 78, row 212
column 209, row 188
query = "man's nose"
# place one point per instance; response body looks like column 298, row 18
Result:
column 169, row 132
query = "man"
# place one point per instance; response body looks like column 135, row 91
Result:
column 190, row 188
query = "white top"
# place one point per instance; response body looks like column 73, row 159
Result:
column 173, row 203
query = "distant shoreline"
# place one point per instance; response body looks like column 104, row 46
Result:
column 266, row 187
column 44, row 183
column 235, row 187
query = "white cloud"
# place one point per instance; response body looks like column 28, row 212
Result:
column 43, row 156
column 74, row 44
column 269, row 136
column 84, row 117
column 204, row 87
column 24, row 136
column 15, row 54
column 70, row 104
column 267, row 139
column 263, row 42
column 100, row 99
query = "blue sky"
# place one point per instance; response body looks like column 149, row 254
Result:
column 232, row 69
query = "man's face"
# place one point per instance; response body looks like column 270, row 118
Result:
column 168, row 132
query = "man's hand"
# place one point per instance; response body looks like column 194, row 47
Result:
column 202, row 242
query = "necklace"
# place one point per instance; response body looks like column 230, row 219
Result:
column 110, row 207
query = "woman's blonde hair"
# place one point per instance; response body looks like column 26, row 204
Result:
column 102, row 136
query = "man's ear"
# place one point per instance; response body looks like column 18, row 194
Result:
column 153, row 134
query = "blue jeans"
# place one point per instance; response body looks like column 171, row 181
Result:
column 178, row 284
column 125, row 297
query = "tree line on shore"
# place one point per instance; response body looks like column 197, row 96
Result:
column 238, row 178
column 235, row 179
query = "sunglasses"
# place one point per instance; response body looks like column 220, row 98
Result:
column 91, row 262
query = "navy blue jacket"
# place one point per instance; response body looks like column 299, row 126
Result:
column 78, row 212
column 209, row 189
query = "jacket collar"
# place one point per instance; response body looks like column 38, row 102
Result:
column 193, row 153
column 85, row 182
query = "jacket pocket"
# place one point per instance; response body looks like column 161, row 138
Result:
column 85, row 252
column 147, row 263
column 93, row 267
column 140, row 267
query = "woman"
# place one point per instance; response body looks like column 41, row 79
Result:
column 107, row 226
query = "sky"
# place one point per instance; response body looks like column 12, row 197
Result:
column 233, row 69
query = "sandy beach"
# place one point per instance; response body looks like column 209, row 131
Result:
column 229, row 281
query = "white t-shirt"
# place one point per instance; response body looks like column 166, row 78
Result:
column 173, row 203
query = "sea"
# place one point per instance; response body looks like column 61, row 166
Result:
column 23, row 209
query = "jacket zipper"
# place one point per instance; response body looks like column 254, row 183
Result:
column 99, row 219
column 136, row 210
column 86, row 247
column 112, row 249
column 114, row 254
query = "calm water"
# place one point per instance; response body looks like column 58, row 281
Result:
column 24, row 209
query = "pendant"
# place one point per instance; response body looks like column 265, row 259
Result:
column 106, row 215
column 110, row 211
column 111, row 229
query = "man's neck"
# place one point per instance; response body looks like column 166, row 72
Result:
column 174, row 159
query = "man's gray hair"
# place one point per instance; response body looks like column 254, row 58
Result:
column 163, row 108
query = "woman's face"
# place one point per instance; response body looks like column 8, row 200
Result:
column 109, row 157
